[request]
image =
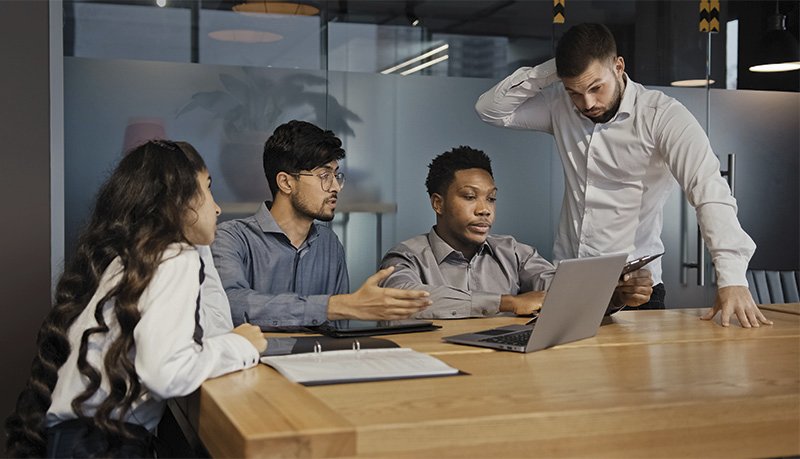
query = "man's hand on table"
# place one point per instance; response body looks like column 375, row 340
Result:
column 736, row 299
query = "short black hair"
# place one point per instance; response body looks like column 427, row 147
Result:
column 298, row 146
column 580, row 46
column 442, row 170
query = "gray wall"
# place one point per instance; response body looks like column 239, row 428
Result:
column 25, row 188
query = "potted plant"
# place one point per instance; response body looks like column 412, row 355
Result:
column 252, row 106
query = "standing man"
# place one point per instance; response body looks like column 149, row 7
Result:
column 281, row 270
column 469, row 271
column 621, row 145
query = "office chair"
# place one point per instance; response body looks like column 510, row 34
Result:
column 770, row 287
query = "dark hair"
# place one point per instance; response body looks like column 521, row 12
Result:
column 443, row 168
column 140, row 210
column 298, row 146
column 581, row 45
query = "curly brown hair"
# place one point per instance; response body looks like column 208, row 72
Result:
column 140, row 210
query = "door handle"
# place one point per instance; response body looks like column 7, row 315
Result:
column 730, row 174
column 700, row 265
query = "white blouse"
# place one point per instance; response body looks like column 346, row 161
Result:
column 168, row 361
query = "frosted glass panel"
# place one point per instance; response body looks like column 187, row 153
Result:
column 104, row 99
column 259, row 40
column 391, row 127
column 131, row 32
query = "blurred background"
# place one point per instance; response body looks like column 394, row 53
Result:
column 397, row 82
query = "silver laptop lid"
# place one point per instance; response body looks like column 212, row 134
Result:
column 576, row 300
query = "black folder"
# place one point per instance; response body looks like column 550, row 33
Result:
column 303, row 344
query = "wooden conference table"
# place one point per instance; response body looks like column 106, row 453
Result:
column 650, row 384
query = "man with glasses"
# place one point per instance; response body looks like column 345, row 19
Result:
column 469, row 271
column 281, row 270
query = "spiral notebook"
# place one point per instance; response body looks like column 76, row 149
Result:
column 382, row 360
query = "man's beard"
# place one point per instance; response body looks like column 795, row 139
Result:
column 304, row 208
column 606, row 116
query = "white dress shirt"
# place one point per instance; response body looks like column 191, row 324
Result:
column 619, row 174
column 169, row 363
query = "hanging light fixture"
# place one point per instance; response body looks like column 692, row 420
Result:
column 289, row 8
column 778, row 50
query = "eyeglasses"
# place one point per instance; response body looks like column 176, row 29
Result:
column 326, row 179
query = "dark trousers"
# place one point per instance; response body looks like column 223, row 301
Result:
column 656, row 299
column 79, row 438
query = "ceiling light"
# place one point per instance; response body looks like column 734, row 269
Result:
column 425, row 65
column 778, row 49
column 288, row 8
column 412, row 18
column 699, row 82
column 161, row 3
column 416, row 59
column 245, row 36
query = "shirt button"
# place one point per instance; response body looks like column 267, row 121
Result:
column 274, row 322
column 314, row 321
column 590, row 182
column 453, row 313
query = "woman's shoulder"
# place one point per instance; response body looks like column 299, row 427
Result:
column 180, row 254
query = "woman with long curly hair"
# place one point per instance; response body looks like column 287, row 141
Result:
column 131, row 326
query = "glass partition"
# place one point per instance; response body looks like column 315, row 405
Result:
column 397, row 81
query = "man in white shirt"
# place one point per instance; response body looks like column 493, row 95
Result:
column 621, row 145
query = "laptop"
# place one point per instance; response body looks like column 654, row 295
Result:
column 572, row 310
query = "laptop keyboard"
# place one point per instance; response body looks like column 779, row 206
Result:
column 519, row 338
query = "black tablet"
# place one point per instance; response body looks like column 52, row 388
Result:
column 346, row 328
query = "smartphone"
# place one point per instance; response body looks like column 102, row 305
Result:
column 638, row 263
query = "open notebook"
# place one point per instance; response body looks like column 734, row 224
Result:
column 362, row 359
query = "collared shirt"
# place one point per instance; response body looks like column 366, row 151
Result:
column 466, row 288
column 169, row 362
column 619, row 174
column 214, row 300
column 272, row 284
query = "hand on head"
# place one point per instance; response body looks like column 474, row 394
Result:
column 371, row 302
column 634, row 289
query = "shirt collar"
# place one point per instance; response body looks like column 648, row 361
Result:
column 628, row 98
column 269, row 225
column 441, row 249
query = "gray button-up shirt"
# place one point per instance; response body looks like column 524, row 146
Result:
column 270, row 283
column 466, row 288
